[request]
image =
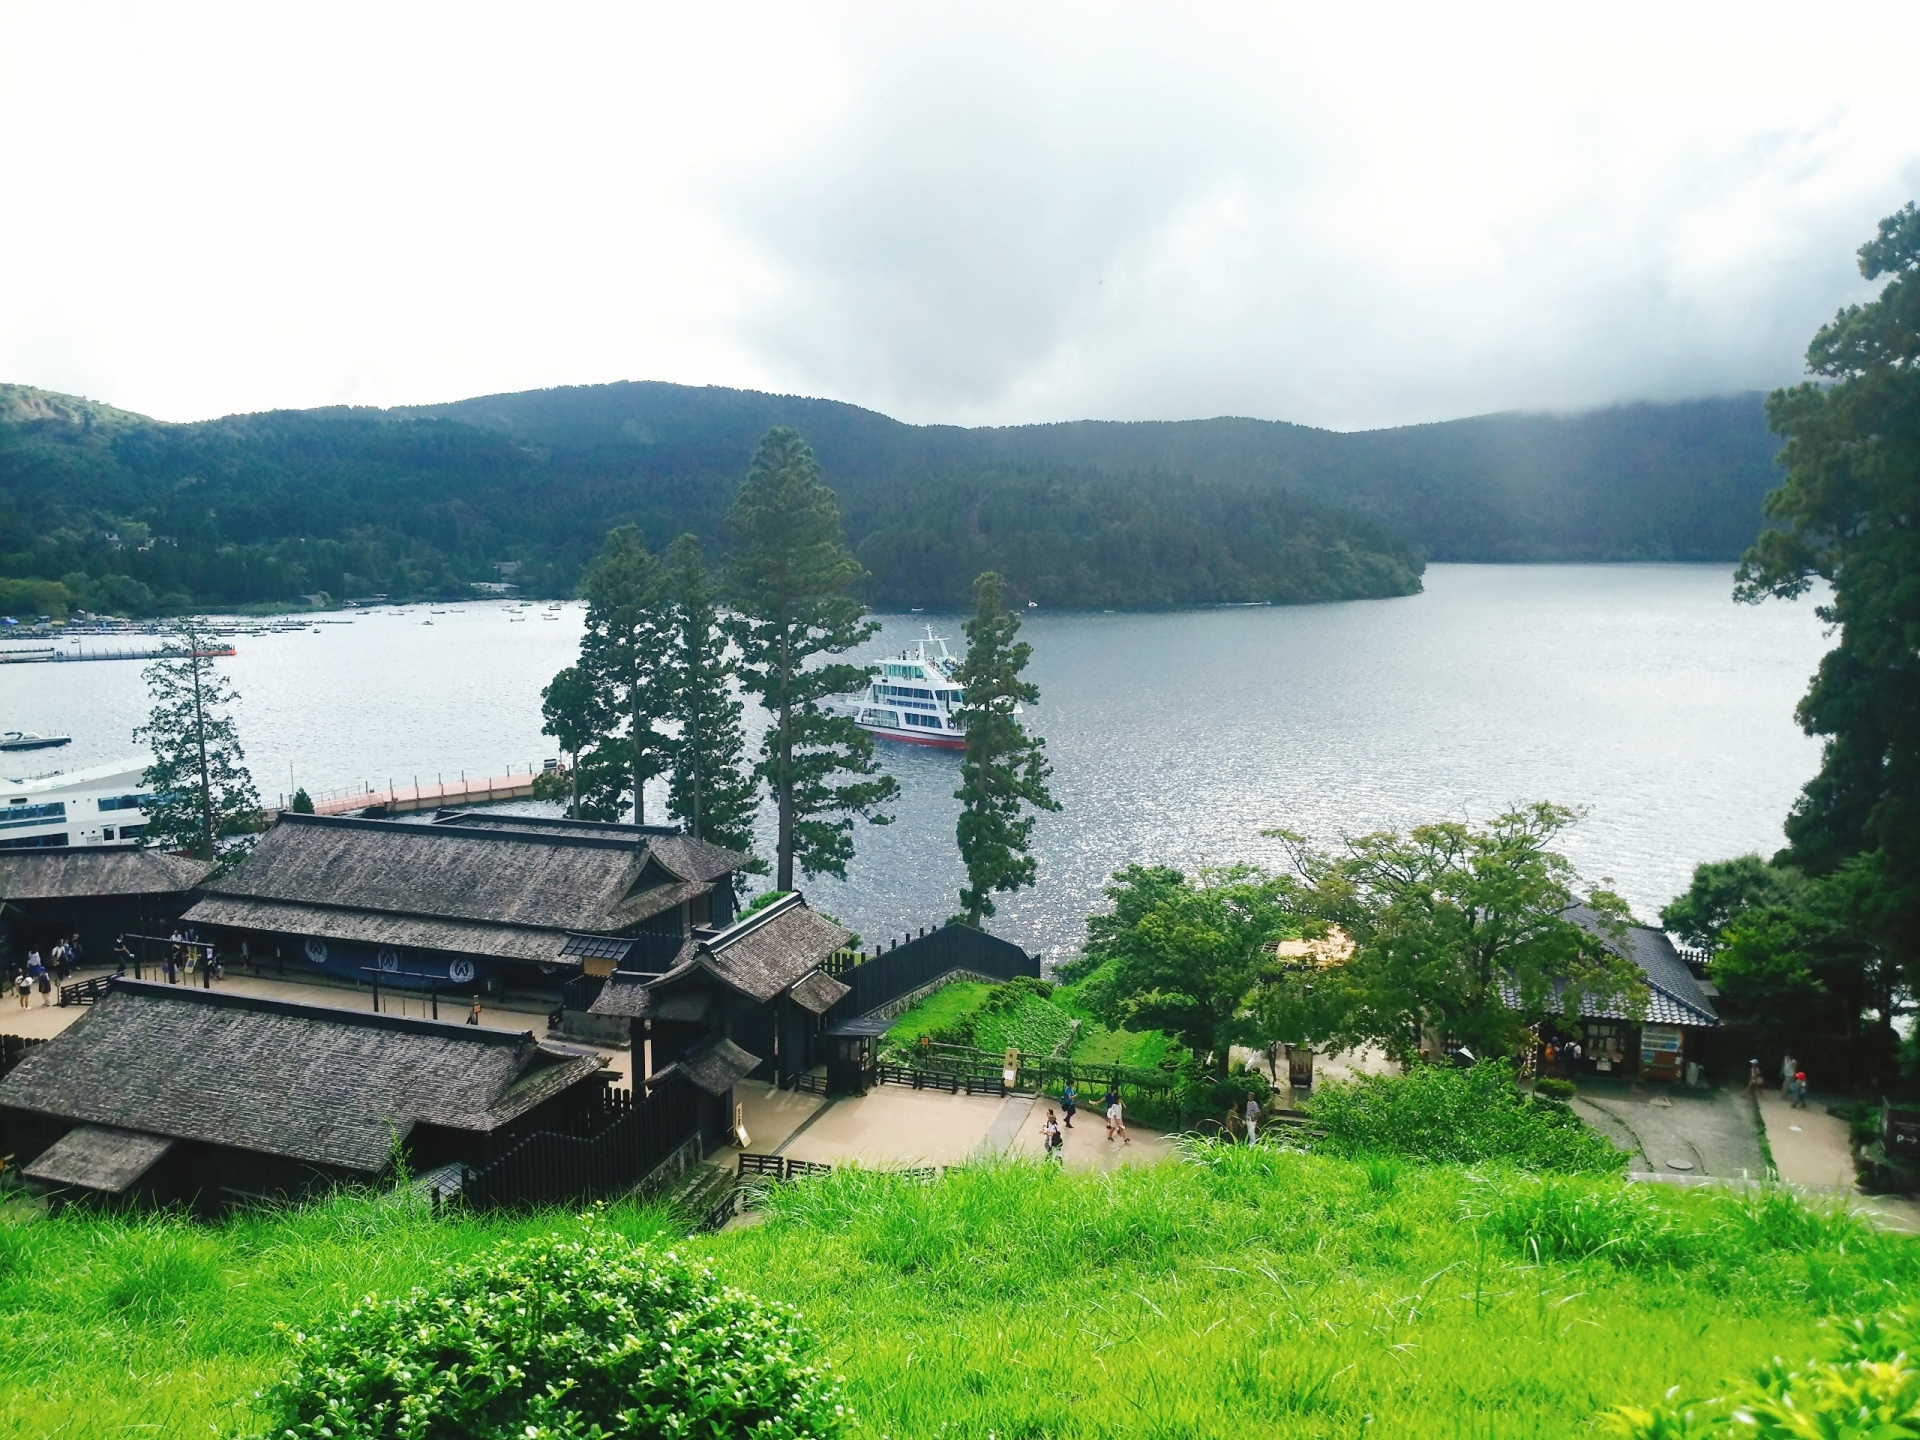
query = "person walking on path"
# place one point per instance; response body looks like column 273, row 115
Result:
column 1117, row 1122
column 1787, row 1071
column 1799, row 1089
column 1756, row 1082
column 473, row 1015
column 1051, row 1138
column 172, row 967
column 24, row 984
column 44, row 982
column 1069, row 1101
column 1253, row 1119
column 121, row 955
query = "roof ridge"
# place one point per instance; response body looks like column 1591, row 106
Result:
column 747, row 924
column 468, row 832
column 455, row 819
column 405, row 1024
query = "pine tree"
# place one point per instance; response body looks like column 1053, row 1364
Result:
column 1006, row 769
column 203, row 800
column 711, row 792
column 791, row 578
column 608, row 706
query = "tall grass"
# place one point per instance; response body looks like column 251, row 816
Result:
column 1246, row 1291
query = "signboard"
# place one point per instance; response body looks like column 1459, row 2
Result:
column 1011, row 1069
column 1660, row 1052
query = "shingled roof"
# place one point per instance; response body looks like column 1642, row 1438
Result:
column 765, row 952
column 513, row 889
column 325, row 1086
column 96, row 872
column 1674, row 996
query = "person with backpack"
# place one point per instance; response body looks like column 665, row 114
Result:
column 1051, row 1138
column 24, row 984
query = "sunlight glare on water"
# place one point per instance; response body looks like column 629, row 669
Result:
column 1641, row 692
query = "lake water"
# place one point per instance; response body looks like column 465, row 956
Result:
column 1641, row 692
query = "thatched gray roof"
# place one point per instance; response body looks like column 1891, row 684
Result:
column 767, row 951
column 98, row 1158
column 717, row 1064
column 325, row 1086
column 625, row 995
column 819, row 992
column 511, row 890
column 685, row 857
column 96, row 872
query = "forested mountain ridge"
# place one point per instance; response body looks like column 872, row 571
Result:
column 102, row 508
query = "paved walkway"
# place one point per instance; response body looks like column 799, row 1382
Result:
column 1685, row 1132
column 894, row 1126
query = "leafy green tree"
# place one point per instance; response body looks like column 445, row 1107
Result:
column 610, row 705
column 1845, row 515
column 1463, row 931
column 1005, row 771
column 792, row 578
column 302, row 803
column 203, row 800
column 712, row 791
column 1185, row 954
column 1724, row 891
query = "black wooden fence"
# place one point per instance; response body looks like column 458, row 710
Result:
column 14, row 1049
column 922, row 959
column 613, row 1151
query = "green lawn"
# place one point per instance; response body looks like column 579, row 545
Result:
column 939, row 1011
column 1244, row 1293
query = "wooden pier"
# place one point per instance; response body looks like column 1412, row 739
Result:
column 442, row 794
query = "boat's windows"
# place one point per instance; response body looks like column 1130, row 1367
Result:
column 121, row 802
column 33, row 814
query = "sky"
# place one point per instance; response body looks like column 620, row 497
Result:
column 1348, row 216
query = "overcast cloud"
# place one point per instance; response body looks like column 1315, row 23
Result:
column 968, row 213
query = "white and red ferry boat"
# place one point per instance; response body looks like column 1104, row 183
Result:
column 914, row 698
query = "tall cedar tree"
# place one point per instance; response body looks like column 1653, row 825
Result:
column 1006, row 769
column 626, row 660
column 574, row 717
column 791, row 577
column 1847, row 516
column 712, row 792
column 203, row 798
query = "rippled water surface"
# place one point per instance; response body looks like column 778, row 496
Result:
column 1638, row 691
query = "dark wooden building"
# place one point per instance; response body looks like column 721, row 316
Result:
column 468, row 901
column 97, row 894
column 1674, row 1030
column 741, row 1001
column 166, row 1094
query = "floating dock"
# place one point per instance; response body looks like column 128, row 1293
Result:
column 52, row 655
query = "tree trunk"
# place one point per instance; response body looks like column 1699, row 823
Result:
column 784, row 795
column 200, row 738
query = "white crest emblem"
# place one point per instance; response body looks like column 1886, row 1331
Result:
column 460, row 971
column 316, row 950
column 389, row 959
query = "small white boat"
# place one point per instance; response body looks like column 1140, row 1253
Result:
column 31, row 740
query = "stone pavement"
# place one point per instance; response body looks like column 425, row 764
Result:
column 1684, row 1132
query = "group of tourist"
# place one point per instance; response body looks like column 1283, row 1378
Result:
column 44, row 975
column 1052, row 1132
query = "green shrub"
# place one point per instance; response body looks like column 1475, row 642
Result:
column 1552, row 1089
column 1869, row 1386
column 549, row 1338
column 1443, row 1115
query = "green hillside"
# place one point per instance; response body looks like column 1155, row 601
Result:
column 108, row 510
